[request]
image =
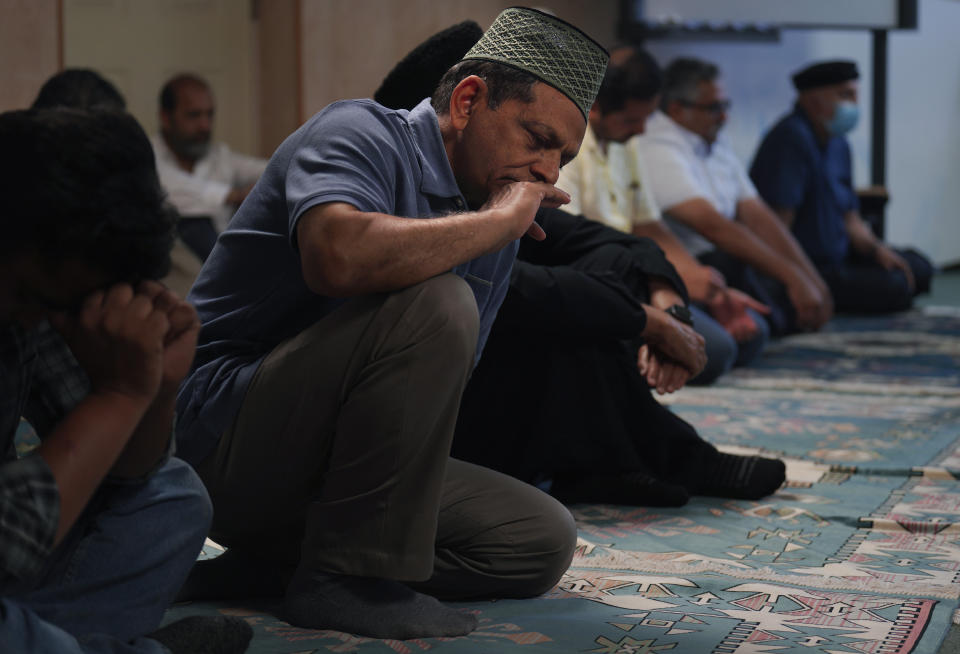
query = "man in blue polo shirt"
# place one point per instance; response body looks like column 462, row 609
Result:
column 343, row 310
column 803, row 171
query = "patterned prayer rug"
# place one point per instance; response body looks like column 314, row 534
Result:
column 858, row 553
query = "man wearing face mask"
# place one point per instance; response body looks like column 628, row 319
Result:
column 803, row 171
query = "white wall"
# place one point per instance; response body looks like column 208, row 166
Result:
column 923, row 131
column 923, row 136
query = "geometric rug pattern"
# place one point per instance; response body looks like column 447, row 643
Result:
column 858, row 553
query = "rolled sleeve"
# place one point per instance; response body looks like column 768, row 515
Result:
column 29, row 512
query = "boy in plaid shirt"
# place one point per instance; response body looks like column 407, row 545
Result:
column 98, row 526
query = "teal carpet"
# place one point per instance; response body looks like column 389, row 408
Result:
column 858, row 553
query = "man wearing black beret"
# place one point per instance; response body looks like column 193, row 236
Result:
column 803, row 170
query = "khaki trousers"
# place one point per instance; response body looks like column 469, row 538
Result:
column 339, row 457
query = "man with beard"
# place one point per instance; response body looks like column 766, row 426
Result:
column 201, row 177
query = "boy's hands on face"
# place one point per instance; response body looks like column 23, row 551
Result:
column 180, row 341
column 132, row 342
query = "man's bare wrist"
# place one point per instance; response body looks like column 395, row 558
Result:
column 120, row 403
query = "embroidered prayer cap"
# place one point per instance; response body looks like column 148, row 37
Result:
column 416, row 75
column 548, row 48
column 825, row 73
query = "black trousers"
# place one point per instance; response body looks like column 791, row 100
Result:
column 538, row 406
column 861, row 285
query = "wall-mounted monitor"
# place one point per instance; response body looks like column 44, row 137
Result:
column 763, row 16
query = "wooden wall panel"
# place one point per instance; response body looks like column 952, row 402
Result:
column 348, row 46
column 30, row 49
column 139, row 44
column 278, row 71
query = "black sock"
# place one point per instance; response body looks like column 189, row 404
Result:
column 376, row 608
column 742, row 477
column 202, row 634
column 233, row 575
column 632, row 488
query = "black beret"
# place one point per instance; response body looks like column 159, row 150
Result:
column 417, row 74
column 825, row 73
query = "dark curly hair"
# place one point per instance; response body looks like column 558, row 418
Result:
column 635, row 76
column 80, row 88
column 84, row 184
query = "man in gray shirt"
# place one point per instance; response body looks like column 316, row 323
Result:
column 339, row 331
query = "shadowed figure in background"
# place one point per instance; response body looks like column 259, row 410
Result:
column 205, row 180
column 82, row 88
column 562, row 393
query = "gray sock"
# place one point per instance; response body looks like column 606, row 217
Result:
column 203, row 634
column 376, row 608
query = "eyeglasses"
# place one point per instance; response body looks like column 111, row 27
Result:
column 718, row 107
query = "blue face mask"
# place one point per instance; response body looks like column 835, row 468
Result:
column 845, row 118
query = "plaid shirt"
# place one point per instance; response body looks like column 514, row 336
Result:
column 41, row 381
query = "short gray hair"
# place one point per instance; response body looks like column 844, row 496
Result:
column 682, row 77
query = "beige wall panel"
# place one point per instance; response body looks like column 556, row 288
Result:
column 348, row 46
column 29, row 49
column 138, row 44
column 278, row 72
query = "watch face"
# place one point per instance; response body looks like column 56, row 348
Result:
column 681, row 313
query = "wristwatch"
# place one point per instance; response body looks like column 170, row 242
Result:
column 681, row 313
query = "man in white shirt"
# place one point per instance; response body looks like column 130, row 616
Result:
column 713, row 207
column 608, row 183
column 203, row 179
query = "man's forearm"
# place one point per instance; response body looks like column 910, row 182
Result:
column 374, row 252
column 742, row 243
column 862, row 238
column 151, row 440
column 688, row 268
column 84, row 446
column 762, row 222
column 347, row 252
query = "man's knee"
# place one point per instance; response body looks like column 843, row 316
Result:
column 499, row 537
column 187, row 497
column 542, row 540
column 444, row 312
column 556, row 542
column 921, row 267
